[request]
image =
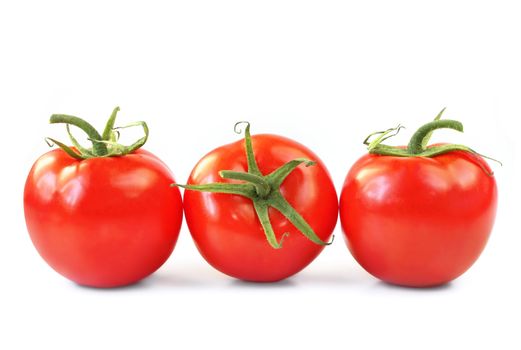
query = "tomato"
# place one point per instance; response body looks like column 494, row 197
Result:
column 418, row 219
column 102, row 221
column 226, row 227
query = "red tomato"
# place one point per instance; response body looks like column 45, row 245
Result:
column 226, row 229
column 103, row 221
column 418, row 221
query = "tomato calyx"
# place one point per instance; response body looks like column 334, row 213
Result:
column 418, row 144
column 103, row 145
column 263, row 191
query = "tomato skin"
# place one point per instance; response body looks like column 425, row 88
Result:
column 418, row 221
column 102, row 222
column 226, row 229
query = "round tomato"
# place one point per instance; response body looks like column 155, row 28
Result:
column 226, row 227
column 418, row 218
column 102, row 221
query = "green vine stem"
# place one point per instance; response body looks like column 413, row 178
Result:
column 103, row 145
column 418, row 144
column 263, row 191
column 93, row 134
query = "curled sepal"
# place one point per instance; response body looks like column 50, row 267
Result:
column 51, row 142
column 114, row 137
column 383, row 135
column 139, row 143
column 84, row 151
column 281, row 204
column 104, row 145
column 115, row 149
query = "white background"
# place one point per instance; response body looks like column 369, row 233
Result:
column 324, row 73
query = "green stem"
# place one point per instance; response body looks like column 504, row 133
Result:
column 427, row 138
column 105, row 145
column 261, row 185
column 416, row 145
column 99, row 149
column 264, row 191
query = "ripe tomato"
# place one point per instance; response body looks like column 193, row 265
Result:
column 418, row 219
column 226, row 228
column 102, row 221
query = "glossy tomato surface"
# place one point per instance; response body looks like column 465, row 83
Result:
column 226, row 229
column 418, row 221
column 102, row 222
